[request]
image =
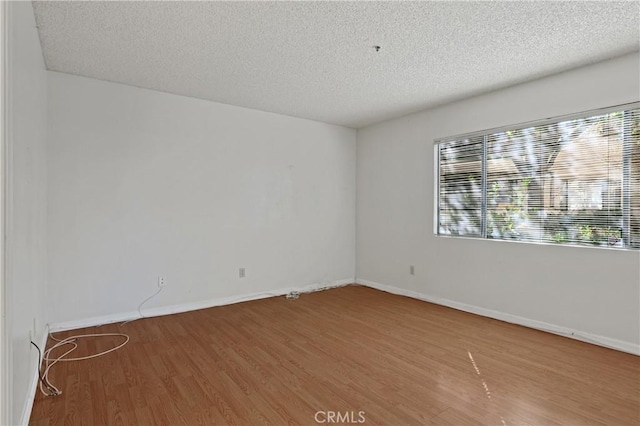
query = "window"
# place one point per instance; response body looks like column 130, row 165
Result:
column 566, row 181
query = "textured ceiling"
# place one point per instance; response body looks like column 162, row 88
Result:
column 316, row 59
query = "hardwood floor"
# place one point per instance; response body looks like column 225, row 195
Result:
column 397, row 360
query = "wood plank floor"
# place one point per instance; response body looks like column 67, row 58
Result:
column 349, row 350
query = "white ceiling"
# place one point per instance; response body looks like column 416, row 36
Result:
column 316, row 59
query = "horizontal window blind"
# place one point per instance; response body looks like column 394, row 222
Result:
column 572, row 181
column 461, row 187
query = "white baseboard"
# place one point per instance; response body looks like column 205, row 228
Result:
column 607, row 342
column 193, row 306
column 41, row 341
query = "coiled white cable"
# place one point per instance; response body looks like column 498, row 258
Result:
column 71, row 340
column 50, row 362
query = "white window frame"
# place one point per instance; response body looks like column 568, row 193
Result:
column 626, row 190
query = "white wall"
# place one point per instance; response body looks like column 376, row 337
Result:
column 595, row 291
column 143, row 183
column 26, row 208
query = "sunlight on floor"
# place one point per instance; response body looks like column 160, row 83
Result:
column 484, row 383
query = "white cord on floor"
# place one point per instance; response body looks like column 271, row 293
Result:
column 50, row 362
column 71, row 340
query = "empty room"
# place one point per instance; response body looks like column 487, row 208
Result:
column 316, row 213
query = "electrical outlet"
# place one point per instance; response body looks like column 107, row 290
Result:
column 241, row 273
column 161, row 282
column 412, row 270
